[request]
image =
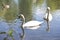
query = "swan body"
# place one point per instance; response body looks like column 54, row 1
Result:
column 50, row 17
column 32, row 24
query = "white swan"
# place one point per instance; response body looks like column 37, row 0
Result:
column 31, row 24
column 48, row 16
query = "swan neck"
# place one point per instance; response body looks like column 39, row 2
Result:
column 23, row 21
column 48, row 11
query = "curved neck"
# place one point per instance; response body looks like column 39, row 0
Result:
column 48, row 11
column 22, row 18
column 23, row 21
column 48, row 24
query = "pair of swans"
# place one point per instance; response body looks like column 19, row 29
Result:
column 35, row 24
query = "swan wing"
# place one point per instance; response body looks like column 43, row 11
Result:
column 50, row 17
column 32, row 24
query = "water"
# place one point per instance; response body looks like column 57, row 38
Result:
column 39, row 34
column 53, row 34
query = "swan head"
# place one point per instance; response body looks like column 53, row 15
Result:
column 21, row 16
column 48, row 8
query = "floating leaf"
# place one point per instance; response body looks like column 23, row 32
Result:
column 10, row 33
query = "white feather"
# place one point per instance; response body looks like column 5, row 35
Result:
column 32, row 24
column 50, row 17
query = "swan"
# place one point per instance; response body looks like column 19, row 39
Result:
column 48, row 18
column 33, row 24
column 28, row 25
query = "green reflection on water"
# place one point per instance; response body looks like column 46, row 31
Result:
column 54, row 4
column 25, row 7
column 10, row 13
column 38, row 2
